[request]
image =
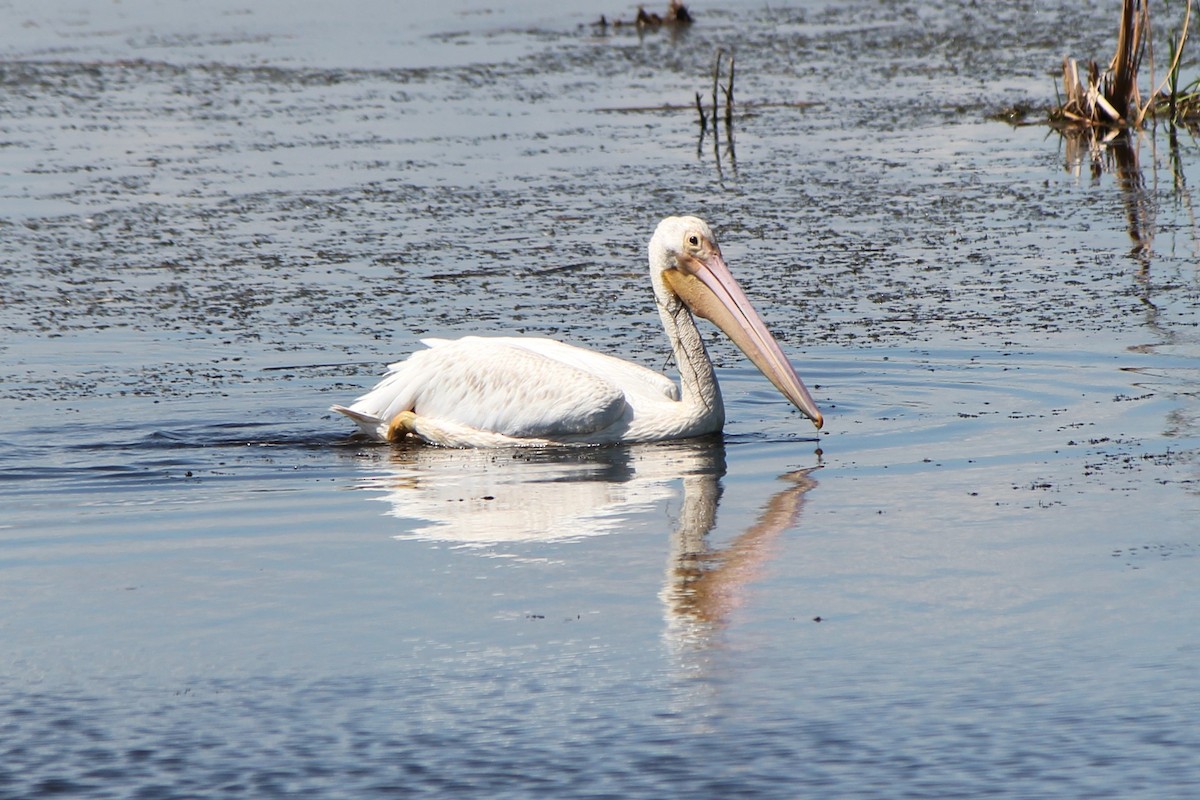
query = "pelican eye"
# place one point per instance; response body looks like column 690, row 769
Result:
column 694, row 240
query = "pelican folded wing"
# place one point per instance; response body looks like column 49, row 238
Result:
column 490, row 385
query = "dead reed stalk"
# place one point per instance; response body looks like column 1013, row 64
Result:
column 1111, row 98
column 1108, row 98
column 719, row 90
column 726, row 90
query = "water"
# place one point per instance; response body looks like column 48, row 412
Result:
column 979, row 580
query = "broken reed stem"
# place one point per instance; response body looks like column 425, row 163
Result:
column 1121, row 89
column 717, row 79
column 718, row 90
column 729, row 98
column 1112, row 97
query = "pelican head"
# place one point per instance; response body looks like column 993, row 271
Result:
column 687, row 263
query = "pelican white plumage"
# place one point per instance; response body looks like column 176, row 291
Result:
column 504, row 391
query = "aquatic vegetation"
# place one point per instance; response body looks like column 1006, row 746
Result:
column 677, row 16
column 1111, row 98
column 1180, row 106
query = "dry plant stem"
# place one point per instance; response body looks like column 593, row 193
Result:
column 729, row 96
column 1107, row 108
column 1122, row 88
column 1183, row 35
column 1072, row 86
column 1112, row 97
column 716, row 84
column 703, row 119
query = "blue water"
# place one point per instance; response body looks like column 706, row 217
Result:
column 979, row 580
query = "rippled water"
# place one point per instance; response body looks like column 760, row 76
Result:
column 980, row 579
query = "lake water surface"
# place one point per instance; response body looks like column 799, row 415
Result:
column 216, row 219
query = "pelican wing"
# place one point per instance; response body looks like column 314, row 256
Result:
column 636, row 381
column 497, row 386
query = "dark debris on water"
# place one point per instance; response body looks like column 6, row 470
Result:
column 677, row 15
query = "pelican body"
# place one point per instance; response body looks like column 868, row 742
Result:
column 509, row 390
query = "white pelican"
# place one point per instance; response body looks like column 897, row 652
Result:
column 503, row 391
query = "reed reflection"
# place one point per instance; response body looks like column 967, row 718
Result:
column 1116, row 151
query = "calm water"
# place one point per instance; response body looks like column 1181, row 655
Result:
column 981, row 579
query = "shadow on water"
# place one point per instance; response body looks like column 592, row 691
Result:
column 124, row 457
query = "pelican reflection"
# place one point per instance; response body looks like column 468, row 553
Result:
column 705, row 583
column 480, row 498
column 485, row 498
